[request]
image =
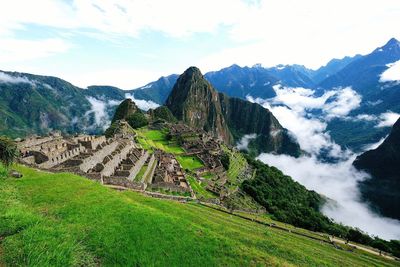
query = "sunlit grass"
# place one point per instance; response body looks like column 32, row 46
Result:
column 65, row 220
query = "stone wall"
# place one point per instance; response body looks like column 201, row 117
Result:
column 92, row 142
column 138, row 165
column 56, row 159
column 98, row 156
column 149, row 173
column 122, row 181
column 117, row 158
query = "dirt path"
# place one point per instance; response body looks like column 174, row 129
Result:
column 370, row 250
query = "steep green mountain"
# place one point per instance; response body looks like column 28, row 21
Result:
column 36, row 104
column 383, row 163
column 124, row 110
column 195, row 102
column 162, row 113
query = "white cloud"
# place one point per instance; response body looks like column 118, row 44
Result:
column 345, row 101
column 142, row 104
column 6, row 78
column 99, row 111
column 339, row 183
column 243, row 144
column 15, row 50
column 291, row 107
column 392, row 73
column 388, row 119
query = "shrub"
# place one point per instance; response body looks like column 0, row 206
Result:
column 8, row 151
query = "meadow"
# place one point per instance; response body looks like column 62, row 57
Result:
column 63, row 219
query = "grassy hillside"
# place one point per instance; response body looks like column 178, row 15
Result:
column 66, row 220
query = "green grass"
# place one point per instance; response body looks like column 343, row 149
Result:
column 150, row 139
column 140, row 174
column 237, row 164
column 190, row 162
column 66, row 220
column 198, row 189
column 208, row 175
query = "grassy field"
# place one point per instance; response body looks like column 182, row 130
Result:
column 189, row 162
column 151, row 139
column 66, row 220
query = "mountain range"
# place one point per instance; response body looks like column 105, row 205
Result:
column 37, row 104
column 194, row 101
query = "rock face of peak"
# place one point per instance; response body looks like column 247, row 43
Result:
column 383, row 163
column 194, row 101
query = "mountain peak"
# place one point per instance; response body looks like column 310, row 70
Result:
column 392, row 43
column 192, row 71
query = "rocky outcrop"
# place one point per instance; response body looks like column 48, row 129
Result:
column 194, row 101
column 383, row 163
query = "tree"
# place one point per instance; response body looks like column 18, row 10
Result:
column 8, row 151
column 225, row 160
column 137, row 120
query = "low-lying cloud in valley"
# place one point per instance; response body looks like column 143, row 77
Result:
column 306, row 115
column 143, row 104
column 99, row 110
column 392, row 73
column 339, row 183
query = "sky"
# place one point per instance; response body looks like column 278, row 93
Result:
column 128, row 43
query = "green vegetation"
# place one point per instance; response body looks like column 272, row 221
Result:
column 137, row 120
column 225, row 160
column 140, row 174
column 65, row 220
column 164, row 114
column 208, row 175
column 126, row 108
column 290, row 202
column 190, row 162
column 158, row 139
column 198, row 189
column 237, row 164
column 8, row 151
column 286, row 199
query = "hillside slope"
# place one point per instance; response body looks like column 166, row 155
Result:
column 65, row 220
column 383, row 163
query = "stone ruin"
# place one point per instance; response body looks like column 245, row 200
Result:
column 169, row 174
column 114, row 161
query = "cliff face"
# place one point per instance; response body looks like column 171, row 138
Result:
column 195, row 102
column 383, row 163
column 244, row 117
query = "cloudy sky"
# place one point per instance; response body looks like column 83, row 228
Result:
column 128, row 43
